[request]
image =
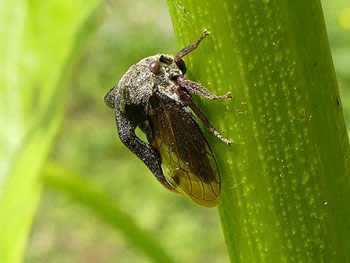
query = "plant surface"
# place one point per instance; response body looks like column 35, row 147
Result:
column 286, row 178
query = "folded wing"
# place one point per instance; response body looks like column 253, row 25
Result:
column 188, row 162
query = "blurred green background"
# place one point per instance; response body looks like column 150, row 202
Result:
column 87, row 144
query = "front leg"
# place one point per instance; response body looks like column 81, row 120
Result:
column 200, row 90
column 187, row 100
column 144, row 151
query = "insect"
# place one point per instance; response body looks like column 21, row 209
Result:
column 154, row 95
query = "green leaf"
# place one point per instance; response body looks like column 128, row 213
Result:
column 286, row 184
column 76, row 188
column 37, row 47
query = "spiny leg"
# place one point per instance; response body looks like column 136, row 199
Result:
column 184, row 97
column 191, row 47
column 200, row 90
column 193, row 86
column 144, row 151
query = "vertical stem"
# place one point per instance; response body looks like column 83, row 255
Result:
column 286, row 184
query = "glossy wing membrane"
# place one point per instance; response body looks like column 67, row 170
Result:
column 188, row 162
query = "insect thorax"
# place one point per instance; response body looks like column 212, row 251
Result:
column 138, row 84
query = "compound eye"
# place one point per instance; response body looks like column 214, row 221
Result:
column 154, row 66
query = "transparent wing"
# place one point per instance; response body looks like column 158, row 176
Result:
column 188, row 162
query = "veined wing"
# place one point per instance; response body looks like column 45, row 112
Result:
column 188, row 162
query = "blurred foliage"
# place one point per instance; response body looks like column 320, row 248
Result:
column 88, row 144
column 74, row 186
column 37, row 47
column 65, row 231
column 337, row 16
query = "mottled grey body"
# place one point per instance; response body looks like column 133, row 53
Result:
column 154, row 95
column 139, row 83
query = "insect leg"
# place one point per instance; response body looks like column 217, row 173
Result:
column 143, row 151
column 200, row 90
column 146, row 129
column 191, row 47
column 190, row 103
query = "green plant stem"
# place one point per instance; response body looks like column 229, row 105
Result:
column 286, row 185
